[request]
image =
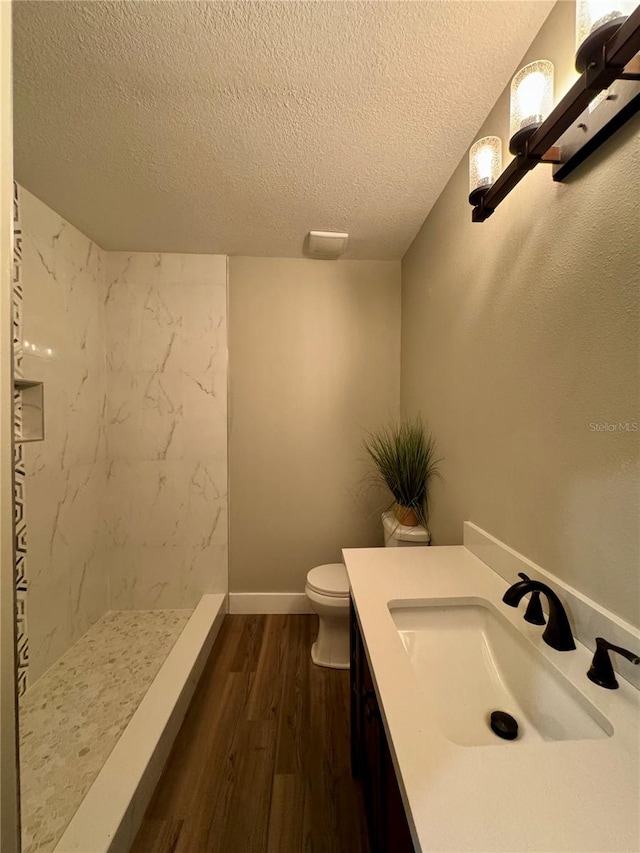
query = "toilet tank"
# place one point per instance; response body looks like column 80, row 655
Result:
column 398, row 535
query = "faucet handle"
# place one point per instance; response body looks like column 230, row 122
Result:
column 601, row 669
column 534, row 612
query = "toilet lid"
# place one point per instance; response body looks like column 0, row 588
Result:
column 330, row 579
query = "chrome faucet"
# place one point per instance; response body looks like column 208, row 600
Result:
column 557, row 634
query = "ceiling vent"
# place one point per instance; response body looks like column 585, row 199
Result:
column 328, row 245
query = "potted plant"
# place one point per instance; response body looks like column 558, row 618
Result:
column 404, row 457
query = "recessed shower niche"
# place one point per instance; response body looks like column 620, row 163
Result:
column 29, row 402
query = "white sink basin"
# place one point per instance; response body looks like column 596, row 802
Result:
column 470, row 660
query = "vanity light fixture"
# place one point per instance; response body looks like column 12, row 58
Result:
column 485, row 164
column 531, row 102
column 596, row 22
column 569, row 133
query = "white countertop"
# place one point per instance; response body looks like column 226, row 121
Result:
column 581, row 795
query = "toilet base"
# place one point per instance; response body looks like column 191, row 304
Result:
column 331, row 649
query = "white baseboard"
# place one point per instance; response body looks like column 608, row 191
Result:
column 269, row 602
column 111, row 813
column 587, row 618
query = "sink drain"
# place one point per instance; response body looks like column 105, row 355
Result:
column 504, row 725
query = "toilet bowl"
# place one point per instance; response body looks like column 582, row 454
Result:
column 327, row 589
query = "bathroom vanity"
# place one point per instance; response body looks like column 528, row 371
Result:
column 434, row 651
column 371, row 760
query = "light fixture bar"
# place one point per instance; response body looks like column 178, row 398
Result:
column 617, row 52
column 623, row 45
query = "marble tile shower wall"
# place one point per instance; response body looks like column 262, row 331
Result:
column 126, row 497
column 64, row 346
column 166, row 514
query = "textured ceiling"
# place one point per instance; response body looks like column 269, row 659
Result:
column 236, row 127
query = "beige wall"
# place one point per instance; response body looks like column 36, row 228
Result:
column 517, row 335
column 315, row 354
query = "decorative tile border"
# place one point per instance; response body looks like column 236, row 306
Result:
column 19, row 467
column 17, row 285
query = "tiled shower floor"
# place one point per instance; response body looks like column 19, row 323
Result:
column 72, row 717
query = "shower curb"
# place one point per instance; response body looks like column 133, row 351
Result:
column 110, row 815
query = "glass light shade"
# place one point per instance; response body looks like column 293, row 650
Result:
column 531, row 98
column 591, row 15
column 596, row 21
column 485, row 162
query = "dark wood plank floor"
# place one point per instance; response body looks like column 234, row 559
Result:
column 261, row 764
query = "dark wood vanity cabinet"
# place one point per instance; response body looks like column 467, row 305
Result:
column 371, row 760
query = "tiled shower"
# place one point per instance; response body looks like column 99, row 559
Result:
column 122, row 507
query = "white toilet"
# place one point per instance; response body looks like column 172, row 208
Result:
column 327, row 589
column 328, row 592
